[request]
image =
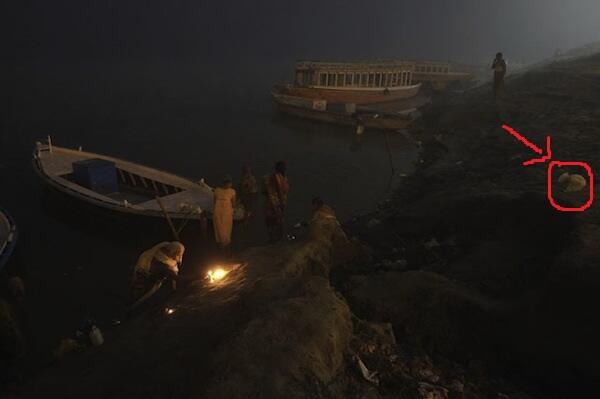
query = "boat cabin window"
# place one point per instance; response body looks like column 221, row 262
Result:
column 323, row 79
column 349, row 78
column 364, row 79
column 371, row 79
column 331, row 79
column 340, row 79
column 408, row 78
column 308, row 78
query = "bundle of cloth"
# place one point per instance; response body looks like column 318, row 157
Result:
column 572, row 182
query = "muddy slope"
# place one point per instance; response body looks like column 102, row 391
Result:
column 508, row 280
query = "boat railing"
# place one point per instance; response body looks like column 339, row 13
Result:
column 145, row 184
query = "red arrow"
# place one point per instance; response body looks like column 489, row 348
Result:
column 529, row 144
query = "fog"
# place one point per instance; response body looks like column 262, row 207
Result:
column 231, row 31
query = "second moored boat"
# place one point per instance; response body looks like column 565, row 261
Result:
column 354, row 82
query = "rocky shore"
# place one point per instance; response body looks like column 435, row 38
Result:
column 466, row 283
column 472, row 263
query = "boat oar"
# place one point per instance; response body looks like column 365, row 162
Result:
column 185, row 222
column 169, row 221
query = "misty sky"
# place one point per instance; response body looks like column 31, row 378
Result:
column 462, row 30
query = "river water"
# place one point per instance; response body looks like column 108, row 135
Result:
column 193, row 119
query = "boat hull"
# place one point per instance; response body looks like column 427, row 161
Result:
column 200, row 193
column 345, row 120
column 355, row 96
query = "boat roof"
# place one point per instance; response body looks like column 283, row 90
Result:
column 373, row 64
column 308, row 64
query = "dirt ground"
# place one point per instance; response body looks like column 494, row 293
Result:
column 508, row 281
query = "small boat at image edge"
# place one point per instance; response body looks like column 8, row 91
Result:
column 8, row 237
column 122, row 186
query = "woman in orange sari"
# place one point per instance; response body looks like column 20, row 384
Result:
column 224, row 204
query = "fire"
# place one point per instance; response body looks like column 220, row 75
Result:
column 216, row 275
column 169, row 310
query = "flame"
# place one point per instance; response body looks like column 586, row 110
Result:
column 169, row 311
column 216, row 275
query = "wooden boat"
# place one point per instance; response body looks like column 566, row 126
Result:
column 347, row 115
column 354, row 82
column 8, row 237
column 439, row 74
column 136, row 186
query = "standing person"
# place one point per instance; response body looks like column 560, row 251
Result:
column 499, row 67
column 224, row 204
column 248, row 190
column 276, row 190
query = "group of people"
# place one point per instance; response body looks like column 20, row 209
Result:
column 275, row 189
column 161, row 263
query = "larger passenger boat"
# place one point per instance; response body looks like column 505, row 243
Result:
column 354, row 82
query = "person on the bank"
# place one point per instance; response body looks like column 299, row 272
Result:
column 276, row 191
column 321, row 211
column 156, row 265
column 248, row 190
column 224, row 204
column 499, row 67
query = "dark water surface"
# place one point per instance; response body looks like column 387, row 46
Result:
column 191, row 119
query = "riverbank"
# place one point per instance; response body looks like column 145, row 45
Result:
column 469, row 260
column 464, row 284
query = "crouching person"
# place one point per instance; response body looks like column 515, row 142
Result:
column 324, row 226
column 155, row 266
